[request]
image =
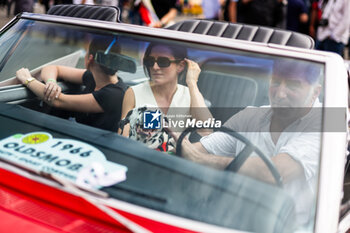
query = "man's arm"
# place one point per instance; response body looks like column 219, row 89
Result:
column 253, row 166
column 197, row 153
column 287, row 167
column 313, row 20
column 232, row 11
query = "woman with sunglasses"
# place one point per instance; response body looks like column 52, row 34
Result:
column 96, row 104
column 165, row 65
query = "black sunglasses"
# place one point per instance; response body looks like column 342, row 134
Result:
column 161, row 61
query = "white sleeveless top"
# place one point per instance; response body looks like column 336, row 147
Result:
column 180, row 103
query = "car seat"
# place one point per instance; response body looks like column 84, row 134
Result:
column 239, row 31
column 105, row 13
column 226, row 83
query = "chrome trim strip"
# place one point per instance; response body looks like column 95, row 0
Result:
column 8, row 24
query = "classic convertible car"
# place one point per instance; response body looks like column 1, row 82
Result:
column 45, row 157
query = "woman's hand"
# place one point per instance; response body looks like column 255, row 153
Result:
column 52, row 90
column 193, row 72
column 23, row 74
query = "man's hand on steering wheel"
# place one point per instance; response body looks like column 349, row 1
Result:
column 186, row 145
column 184, row 148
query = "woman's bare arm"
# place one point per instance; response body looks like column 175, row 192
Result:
column 69, row 74
column 51, row 73
column 8, row 82
column 128, row 104
column 199, row 110
column 79, row 103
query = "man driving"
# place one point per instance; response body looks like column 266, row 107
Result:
column 288, row 131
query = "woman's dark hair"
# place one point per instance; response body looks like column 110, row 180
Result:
column 179, row 53
column 102, row 44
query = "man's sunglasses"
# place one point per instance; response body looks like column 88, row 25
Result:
column 162, row 62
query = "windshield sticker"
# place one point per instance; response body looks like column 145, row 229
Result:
column 70, row 159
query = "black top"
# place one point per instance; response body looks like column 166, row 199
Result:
column 294, row 9
column 260, row 12
column 162, row 7
column 110, row 98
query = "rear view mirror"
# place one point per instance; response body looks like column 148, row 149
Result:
column 116, row 61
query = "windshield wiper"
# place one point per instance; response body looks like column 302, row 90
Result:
column 135, row 192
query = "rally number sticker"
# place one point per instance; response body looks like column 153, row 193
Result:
column 74, row 160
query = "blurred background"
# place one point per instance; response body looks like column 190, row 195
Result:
column 310, row 17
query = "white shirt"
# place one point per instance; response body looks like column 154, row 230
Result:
column 211, row 8
column 338, row 14
column 300, row 140
column 144, row 96
column 179, row 108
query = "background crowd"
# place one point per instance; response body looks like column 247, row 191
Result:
column 327, row 21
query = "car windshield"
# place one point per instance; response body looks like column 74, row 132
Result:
column 260, row 109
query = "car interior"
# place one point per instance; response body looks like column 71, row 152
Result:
column 229, row 81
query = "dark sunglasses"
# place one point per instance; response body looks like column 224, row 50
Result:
column 161, row 61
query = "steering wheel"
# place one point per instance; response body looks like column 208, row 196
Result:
column 237, row 163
